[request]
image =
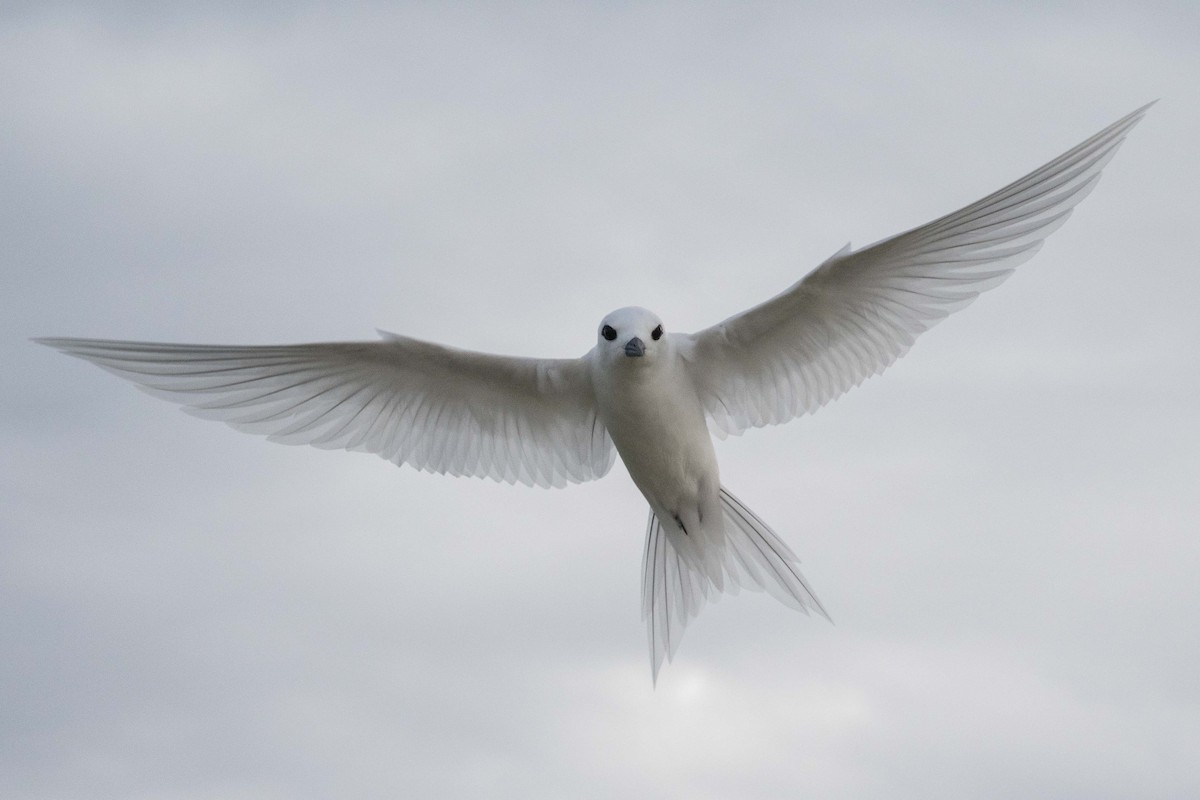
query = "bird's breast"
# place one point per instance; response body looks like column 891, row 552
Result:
column 658, row 426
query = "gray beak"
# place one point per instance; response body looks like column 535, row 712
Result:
column 635, row 348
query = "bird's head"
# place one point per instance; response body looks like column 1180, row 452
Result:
column 631, row 335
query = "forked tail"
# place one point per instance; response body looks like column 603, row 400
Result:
column 676, row 581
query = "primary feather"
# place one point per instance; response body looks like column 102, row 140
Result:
column 432, row 407
column 860, row 310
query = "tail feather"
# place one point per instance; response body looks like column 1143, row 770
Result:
column 676, row 581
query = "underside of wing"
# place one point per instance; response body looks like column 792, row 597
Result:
column 859, row 311
column 435, row 408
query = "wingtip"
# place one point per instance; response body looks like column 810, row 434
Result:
column 1135, row 116
column 62, row 344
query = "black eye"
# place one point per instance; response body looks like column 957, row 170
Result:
column 608, row 332
column 656, row 334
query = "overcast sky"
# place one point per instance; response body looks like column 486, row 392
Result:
column 1003, row 526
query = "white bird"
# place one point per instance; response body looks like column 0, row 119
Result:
column 654, row 396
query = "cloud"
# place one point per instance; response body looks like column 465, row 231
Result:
column 1002, row 525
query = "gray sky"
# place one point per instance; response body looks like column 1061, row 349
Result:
column 1003, row 525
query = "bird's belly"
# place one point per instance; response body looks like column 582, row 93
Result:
column 669, row 454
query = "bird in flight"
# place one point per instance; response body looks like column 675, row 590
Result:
column 653, row 396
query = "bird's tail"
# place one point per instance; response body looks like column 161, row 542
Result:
column 676, row 581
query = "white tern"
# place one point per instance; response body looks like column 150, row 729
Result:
column 653, row 395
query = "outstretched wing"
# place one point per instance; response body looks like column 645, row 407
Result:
column 435, row 408
column 855, row 314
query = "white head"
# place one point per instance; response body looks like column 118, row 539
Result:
column 633, row 335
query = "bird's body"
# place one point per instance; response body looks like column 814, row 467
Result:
column 655, row 397
column 654, row 416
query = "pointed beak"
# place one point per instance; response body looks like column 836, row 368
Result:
column 635, row 348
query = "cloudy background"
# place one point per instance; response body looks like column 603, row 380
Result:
column 1004, row 526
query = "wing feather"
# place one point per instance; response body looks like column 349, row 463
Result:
column 859, row 311
column 435, row 408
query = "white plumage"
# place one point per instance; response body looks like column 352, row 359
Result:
column 654, row 397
